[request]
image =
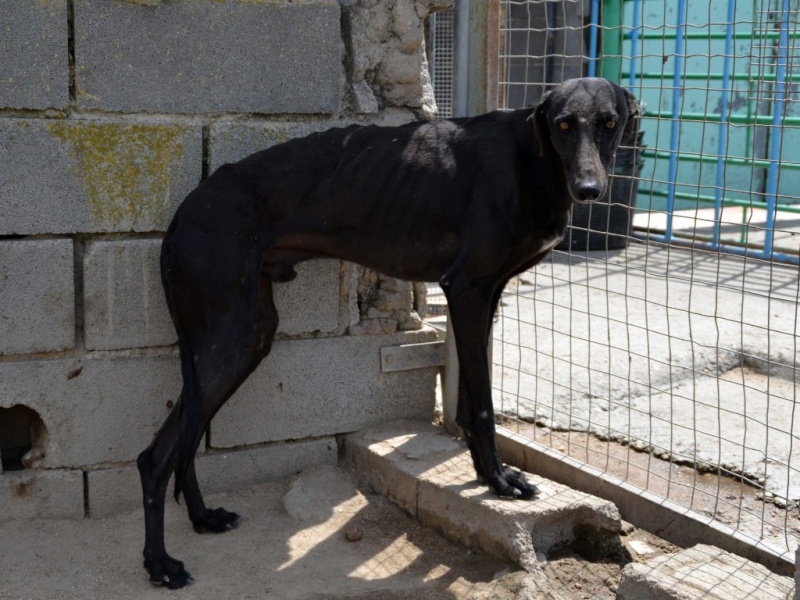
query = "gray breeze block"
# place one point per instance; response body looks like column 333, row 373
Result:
column 37, row 298
column 106, row 408
column 34, row 55
column 124, row 303
column 95, row 175
column 199, row 56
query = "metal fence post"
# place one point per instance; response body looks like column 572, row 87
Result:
column 475, row 82
column 450, row 381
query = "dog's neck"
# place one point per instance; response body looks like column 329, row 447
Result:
column 552, row 184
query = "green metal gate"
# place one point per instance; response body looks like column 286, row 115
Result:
column 719, row 83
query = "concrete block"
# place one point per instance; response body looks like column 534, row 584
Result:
column 231, row 141
column 432, row 476
column 123, row 301
column 98, row 408
column 101, row 408
column 37, row 297
column 315, row 387
column 41, row 493
column 701, row 572
column 369, row 450
column 34, row 55
column 193, row 56
column 116, row 490
column 310, row 302
column 95, row 175
column 219, row 471
column 113, row 491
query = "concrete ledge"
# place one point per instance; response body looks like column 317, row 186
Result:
column 644, row 509
column 111, row 491
column 431, row 476
column 701, row 572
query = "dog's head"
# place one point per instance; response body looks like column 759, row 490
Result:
column 581, row 124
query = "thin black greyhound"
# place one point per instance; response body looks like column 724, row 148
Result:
column 466, row 202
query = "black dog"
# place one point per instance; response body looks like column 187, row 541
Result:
column 466, row 202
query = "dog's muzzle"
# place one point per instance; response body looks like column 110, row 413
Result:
column 587, row 191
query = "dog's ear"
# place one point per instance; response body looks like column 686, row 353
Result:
column 634, row 115
column 537, row 121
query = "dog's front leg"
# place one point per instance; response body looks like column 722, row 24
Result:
column 471, row 307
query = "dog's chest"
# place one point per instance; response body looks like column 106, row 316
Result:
column 549, row 243
column 532, row 250
column 540, row 242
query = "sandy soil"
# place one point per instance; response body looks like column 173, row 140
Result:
column 290, row 544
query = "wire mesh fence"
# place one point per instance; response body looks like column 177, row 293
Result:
column 442, row 40
column 661, row 345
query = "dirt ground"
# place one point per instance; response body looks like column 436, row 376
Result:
column 728, row 500
column 291, row 544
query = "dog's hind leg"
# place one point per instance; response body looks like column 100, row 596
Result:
column 265, row 322
column 204, row 520
column 226, row 320
column 156, row 464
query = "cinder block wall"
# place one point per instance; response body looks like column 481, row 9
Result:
column 111, row 111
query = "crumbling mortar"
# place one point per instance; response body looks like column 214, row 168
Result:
column 386, row 46
column 346, row 29
column 385, row 304
column 205, row 152
column 73, row 96
column 78, row 247
column 30, row 113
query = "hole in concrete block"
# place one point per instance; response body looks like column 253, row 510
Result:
column 23, row 438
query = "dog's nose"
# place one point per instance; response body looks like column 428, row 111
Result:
column 588, row 191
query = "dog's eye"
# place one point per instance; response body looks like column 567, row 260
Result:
column 611, row 124
column 563, row 126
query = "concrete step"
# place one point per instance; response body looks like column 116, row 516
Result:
column 430, row 475
column 702, row 572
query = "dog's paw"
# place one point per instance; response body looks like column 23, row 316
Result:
column 168, row 572
column 512, row 484
column 217, row 520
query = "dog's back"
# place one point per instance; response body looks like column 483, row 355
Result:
column 406, row 186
